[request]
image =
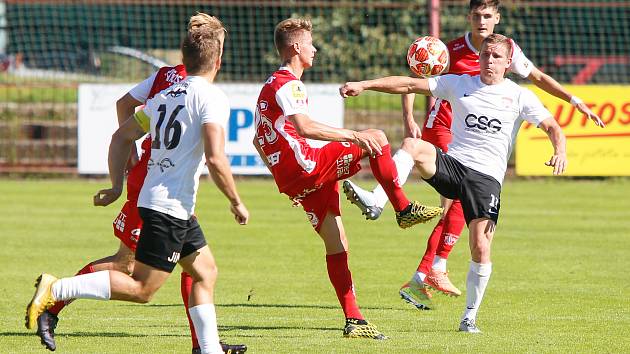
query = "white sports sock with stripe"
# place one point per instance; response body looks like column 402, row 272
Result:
column 476, row 283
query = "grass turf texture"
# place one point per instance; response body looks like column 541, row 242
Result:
column 559, row 283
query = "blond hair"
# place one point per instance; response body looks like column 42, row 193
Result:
column 203, row 44
column 498, row 39
column 289, row 31
column 203, row 20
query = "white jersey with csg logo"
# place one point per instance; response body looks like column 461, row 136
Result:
column 486, row 119
column 174, row 118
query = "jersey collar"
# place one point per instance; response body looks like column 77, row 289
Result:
column 287, row 69
column 469, row 43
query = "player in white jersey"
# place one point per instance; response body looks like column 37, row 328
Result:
column 482, row 17
column 487, row 112
column 185, row 121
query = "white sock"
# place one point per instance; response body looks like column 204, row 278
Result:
column 404, row 165
column 439, row 263
column 418, row 277
column 476, row 282
column 204, row 319
column 85, row 286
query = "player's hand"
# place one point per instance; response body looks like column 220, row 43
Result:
column 241, row 214
column 350, row 89
column 583, row 108
column 412, row 130
column 367, row 142
column 558, row 162
column 105, row 197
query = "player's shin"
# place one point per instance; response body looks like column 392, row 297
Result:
column 205, row 320
column 404, row 164
column 86, row 286
column 186, row 288
column 341, row 279
column 476, row 283
column 59, row 305
column 384, row 170
column 432, row 246
column 454, row 223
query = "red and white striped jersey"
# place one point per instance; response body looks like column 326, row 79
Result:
column 289, row 154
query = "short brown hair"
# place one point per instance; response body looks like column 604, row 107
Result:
column 498, row 39
column 475, row 4
column 203, row 44
column 287, row 31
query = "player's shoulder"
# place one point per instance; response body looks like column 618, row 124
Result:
column 457, row 44
column 523, row 94
column 280, row 78
column 172, row 74
column 202, row 87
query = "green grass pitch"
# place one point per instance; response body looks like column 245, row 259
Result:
column 560, row 279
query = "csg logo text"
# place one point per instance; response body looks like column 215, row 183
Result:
column 483, row 123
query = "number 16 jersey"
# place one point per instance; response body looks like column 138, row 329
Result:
column 174, row 118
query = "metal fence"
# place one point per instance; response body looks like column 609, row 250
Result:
column 49, row 47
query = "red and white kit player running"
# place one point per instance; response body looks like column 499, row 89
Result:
column 309, row 175
column 128, row 224
column 483, row 16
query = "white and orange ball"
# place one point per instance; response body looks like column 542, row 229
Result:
column 427, row 56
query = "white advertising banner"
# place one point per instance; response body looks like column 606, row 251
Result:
column 97, row 122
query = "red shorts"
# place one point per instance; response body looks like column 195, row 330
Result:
column 320, row 191
column 128, row 224
column 437, row 135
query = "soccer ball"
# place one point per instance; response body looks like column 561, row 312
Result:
column 427, row 56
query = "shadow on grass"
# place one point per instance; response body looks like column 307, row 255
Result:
column 273, row 328
column 290, row 306
column 88, row 334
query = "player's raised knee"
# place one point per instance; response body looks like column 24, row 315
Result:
column 379, row 135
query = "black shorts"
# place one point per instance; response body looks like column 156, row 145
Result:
column 164, row 240
column 478, row 192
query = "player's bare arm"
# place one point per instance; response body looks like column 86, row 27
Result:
column 125, row 107
column 119, row 150
column 311, row 129
column 553, row 87
column 411, row 128
column 219, row 167
column 389, row 84
column 559, row 142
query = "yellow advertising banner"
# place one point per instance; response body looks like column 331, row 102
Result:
column 591, row 150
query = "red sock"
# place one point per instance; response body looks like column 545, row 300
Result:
column 384, row 170
column 59, row 305
column 432, row 245
column 454, row 222
column 341, row 279
column 186, row 288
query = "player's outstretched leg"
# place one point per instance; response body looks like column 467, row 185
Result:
column 46, row 324
column 372, row 202
column 363, row 199
column 416, row 294
column 42, row 299
column 413, row 214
